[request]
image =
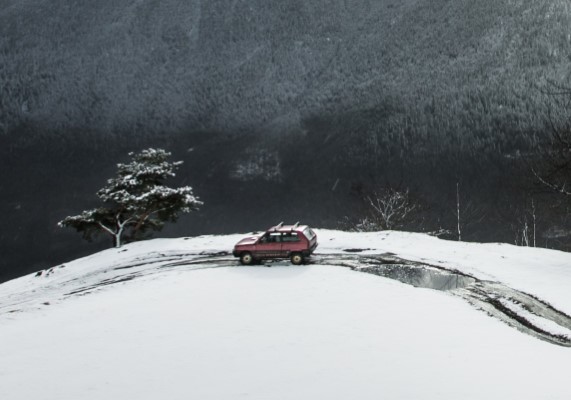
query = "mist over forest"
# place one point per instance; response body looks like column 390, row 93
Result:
column 282, row 111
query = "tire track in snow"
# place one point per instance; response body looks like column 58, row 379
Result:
column 517, row 309
column 520, row 310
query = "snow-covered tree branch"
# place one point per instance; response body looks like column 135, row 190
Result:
column 136, row 200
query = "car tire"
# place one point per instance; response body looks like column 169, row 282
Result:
column 246, row 258
column 297, row 259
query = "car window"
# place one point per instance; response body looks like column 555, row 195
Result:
column 309, row 234
column 275, row 237
column 290, row 237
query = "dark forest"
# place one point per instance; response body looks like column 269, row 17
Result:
column 284, row 111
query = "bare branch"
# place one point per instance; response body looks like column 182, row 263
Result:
column 106, row 229
column 390, row 209
column 558, row 188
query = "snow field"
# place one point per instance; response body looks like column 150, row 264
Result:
column 284, row 332
column 273, row 333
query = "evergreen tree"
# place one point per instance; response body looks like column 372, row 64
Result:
column 136, row 201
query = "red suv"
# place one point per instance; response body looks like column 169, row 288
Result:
column 295, row 242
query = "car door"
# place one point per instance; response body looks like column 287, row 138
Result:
column 291, row 243
column 270, row 245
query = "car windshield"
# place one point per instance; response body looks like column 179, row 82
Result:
column 309, row 234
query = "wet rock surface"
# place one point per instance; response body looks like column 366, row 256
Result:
column 518, row 309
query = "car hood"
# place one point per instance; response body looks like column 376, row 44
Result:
column 247, row 241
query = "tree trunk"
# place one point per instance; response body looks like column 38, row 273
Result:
column 117, row 236
column 117, row 240
column 458, row 210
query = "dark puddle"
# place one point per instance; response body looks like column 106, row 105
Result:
column 409, row 272
column 355, row 250
column 422, row 277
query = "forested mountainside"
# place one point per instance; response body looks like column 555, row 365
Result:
column 272, row 103
column 145, row 67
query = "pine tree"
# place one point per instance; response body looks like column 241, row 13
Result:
column 136, row 201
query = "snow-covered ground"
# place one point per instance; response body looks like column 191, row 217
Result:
column 180, row 319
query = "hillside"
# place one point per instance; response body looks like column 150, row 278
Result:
column 181, row 318
column 265, row 100
column 143, row 67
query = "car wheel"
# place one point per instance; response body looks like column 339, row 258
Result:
column 297, row 258
column 246, row 258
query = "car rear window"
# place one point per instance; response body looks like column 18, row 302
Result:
column 309, row 234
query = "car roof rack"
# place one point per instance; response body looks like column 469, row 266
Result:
column 278, row 226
